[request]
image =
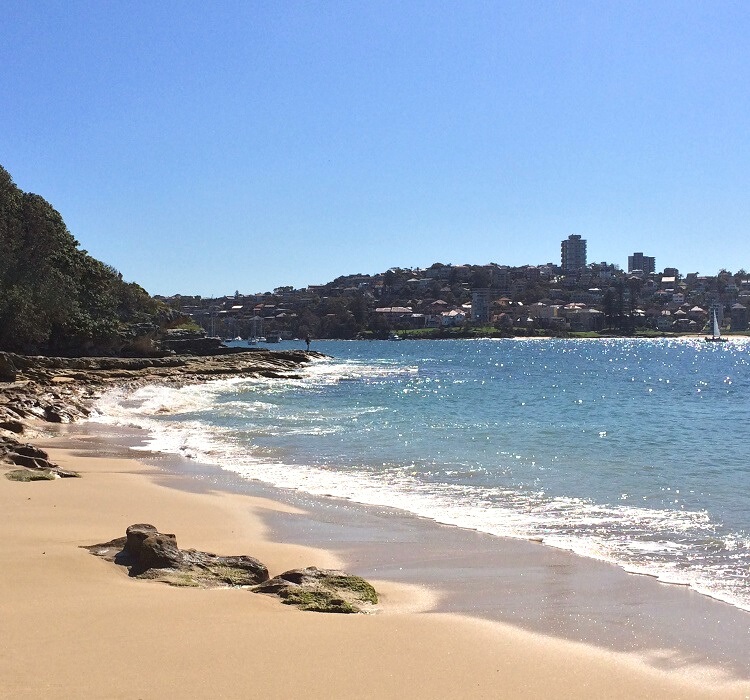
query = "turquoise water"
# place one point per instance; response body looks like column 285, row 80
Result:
column 631, row 451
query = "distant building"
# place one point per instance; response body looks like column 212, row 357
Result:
column 480, row 305
column 739, row 320
column 573, row 253
column 639, row 261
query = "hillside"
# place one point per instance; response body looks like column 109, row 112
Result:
column 54, row 297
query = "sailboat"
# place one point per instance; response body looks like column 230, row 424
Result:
column 715, row 332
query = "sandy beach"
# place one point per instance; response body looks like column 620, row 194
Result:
column 75, row 626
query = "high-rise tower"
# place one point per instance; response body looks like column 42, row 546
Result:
column 639, row 261
column 573, row 253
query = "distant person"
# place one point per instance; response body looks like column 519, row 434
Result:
column 307, row 341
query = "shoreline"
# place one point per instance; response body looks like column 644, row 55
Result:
column 483, row 630
column 407, row 644
column 581, row 599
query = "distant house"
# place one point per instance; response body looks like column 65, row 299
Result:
column 668, row 283
column 393, row 313
column 664, row 321
column 582, row 318
column 455, row 317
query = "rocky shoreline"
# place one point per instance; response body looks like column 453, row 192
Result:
column 61, row 390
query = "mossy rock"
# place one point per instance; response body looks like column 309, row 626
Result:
column 363, row 590
column 230, row 575
column 322, row 590
column 316, row 600
column 30, row 475
column 181, row 580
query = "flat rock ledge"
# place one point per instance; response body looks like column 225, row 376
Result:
column 60, row 389
column 35, row 390
column 150, row 554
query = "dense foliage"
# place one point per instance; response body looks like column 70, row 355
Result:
column 54, row 297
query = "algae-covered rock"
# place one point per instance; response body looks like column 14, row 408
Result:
column 322, row 590
column 150, row 554
column 30, row 475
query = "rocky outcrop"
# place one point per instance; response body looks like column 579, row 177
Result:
column 148, row 553
column 32, row 458
column 322, row 590
column 149, row 549
column 58, row 389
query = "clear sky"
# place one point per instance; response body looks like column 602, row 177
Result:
column 204, row 147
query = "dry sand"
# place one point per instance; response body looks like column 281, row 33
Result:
column 75, row 626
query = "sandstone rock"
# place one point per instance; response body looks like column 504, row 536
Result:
column 239, row 570
column 55, row 414
column 135, row 534
column 30, row 451
column 29, row 462
column 158, row 551
column 322, row 590
column 56, row 389
column 151, row 554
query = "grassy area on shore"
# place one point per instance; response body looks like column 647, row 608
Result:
column 474, row 332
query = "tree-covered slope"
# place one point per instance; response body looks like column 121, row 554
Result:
column 54, row 297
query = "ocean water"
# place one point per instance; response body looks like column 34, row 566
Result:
column 635, row 452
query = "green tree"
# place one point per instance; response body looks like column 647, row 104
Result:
column 54, row 297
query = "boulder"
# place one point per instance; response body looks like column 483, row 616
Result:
column 14, row 452
column 135, row 534
column 152, row 554
column 158, row 551
column 30, row 451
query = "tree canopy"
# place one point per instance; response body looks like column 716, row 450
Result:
column 54, row 297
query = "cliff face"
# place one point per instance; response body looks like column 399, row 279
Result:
column 54, row 297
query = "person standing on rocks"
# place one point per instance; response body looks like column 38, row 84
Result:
column 307, row 341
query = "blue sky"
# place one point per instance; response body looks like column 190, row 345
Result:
column 208, row 147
